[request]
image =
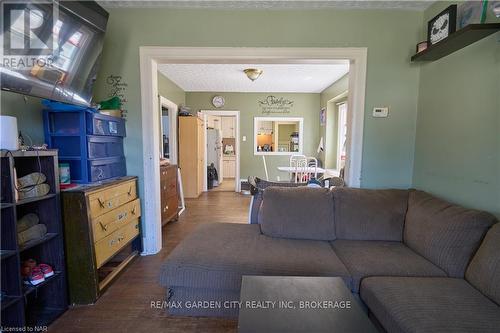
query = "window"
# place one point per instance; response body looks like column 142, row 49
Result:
column 278, row 135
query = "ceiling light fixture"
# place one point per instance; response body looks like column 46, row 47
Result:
column 253, row 73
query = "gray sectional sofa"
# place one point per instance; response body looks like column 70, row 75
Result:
column 418, row 263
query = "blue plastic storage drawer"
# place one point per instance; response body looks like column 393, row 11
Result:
column 106, row 168
column 68, row 146
column 104, row 146
column 100, row 124
column 82, row 123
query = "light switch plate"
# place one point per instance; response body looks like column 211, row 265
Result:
column 244, row 138
column 381, row 112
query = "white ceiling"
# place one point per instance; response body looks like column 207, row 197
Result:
column 304, row 78
column 276, row 4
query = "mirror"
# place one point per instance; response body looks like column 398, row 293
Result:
column 168, row 130
column 278, row 135
column 165, row 132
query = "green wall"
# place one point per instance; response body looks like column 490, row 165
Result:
column 28, row 112
column 329, row 131
column 457, row 154
column 389, row 35
column 170, row 90
column 305, row 105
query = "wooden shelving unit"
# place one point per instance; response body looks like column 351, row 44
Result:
column 456, row 41
column 24, row 305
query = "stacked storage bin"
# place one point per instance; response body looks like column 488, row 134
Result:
column 90, row 142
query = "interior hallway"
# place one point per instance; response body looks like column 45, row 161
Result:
column 226, row 186
column 126, row 305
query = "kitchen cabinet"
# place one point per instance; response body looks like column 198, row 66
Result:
column 228, row 126
column 229, row 166
column 214, row 122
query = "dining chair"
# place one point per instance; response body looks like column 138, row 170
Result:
column 299, row 163
column 312, row 163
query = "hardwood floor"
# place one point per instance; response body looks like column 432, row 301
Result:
column 226, row 186
column 126, row 305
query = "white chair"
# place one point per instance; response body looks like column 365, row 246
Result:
column 298, row 163
column 312, row 163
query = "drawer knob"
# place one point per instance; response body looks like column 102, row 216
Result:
column 101, row 202
column 166, row 207
column 103, row 226
column 133, row 211
column 164, row 187
column 129, row 191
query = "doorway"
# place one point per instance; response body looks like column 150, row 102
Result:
column 151, row 56
column 223, row 150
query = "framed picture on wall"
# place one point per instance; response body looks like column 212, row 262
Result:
column 322, row 117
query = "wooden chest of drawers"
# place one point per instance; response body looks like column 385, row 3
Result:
column 101, row 226
column 168, row 190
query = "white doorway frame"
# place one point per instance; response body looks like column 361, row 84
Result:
column 151, row 56
column 334, row 101
column 172, row 124
column 229, row 113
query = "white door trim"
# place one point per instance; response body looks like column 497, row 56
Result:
column 237, row 182
column 172, row 124
column 150, row 56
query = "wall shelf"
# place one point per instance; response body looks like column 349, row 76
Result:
column 456, row 41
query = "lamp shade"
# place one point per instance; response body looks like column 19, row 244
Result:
column 253, row 73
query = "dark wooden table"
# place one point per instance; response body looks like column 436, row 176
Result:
column 299, row 304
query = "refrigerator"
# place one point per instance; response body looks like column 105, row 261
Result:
column 214, row 150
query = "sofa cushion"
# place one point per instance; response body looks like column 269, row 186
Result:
column 362, row 214
column 484, row 269
column 299, row 213
column 407, row 304
column 446, row 234
column 217, row 255
column 376, row 258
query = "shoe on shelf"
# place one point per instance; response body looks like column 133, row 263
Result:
column 46, row 270
column 34, row 191
column 27, row 221
column 32, row 179
column 34, row 277
column 35, row 232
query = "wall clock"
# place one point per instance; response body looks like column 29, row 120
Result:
column 218, row 101
column 442, row 25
